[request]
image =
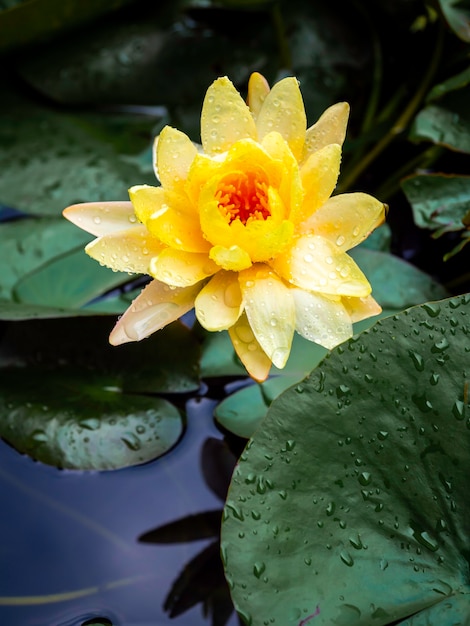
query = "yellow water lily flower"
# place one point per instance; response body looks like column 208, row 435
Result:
column 243, row 228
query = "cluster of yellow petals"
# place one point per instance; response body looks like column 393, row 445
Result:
column 243, row 228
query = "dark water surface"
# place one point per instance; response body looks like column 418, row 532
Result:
column 69, row 548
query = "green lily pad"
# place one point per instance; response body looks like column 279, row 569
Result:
column 28, row 244
column 447, row 126
column 457, row 14
column 52, row 160
column 64, row 419
column 69, row 281
column 27, row 21
column 350, row 505
column 396, row 284
column 69, row 399
column 15, row 311
column 439, row 202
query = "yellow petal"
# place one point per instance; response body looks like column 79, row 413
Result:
column 155, row 307
column 225, row 118
column 319, row 177
column 320, row 319
column 174, row 153
column 233, row 258
column 101, row 218
column 148, row 201
column 283, row 111
column 249, row 350
column 330, row 128
column 258, row 89
column 290, row 185
column 361, row 308
column 316, row 264
column 219, row 303
column 169, row 217
column 270, row 310
column 181, row 269
column 125, row 251
column 347, row 219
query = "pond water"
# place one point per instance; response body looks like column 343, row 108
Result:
column 70, row 548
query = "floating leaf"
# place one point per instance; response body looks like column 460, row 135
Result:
column 72, row 420
column 396, row 284
column 439, row 202
column 459, row 81
column 457, row 14
column 29, row 243
column 443, row 126
column 28, row 21
column 69, row 399
column 52, row 160
column 14, row 311
column 350, row 504
column 69, row 281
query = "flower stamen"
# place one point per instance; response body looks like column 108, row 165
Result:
column 243, row 196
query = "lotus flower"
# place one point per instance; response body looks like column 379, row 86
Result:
column 243, row 228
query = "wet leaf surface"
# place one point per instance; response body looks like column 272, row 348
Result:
column 69, row 399
column 353, row 494
column 77, row 421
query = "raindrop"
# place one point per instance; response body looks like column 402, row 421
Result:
column 92, row 423
column 434, row 379
column 132, row 441
column 440, row 346
column 39, row 436
column 330, row 509
column 417, row 359
column 426, row 540
column 346, row 558
column 356, row 542
column 364, row 478
column 432, row 309
column 422, row 402
column 458, row 410
column 259, row 568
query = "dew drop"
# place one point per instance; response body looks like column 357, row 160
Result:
column 417, row 360
column 259, row 568
column 346, row 558
column 132, row 441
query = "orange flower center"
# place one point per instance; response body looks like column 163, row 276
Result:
column 243, row 196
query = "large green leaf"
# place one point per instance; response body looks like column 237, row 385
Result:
column 439, row 202
column 457, row 14
column 51, row 160
column 396, row 284
column 69, row 281
column 350, row 505
column 27, row 21
column 27, row 244
column 443, row 125
column 16, row 311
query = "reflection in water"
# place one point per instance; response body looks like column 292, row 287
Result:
column 68, row 550
column 202, row 579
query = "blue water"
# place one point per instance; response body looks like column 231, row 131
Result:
column 65, row 532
